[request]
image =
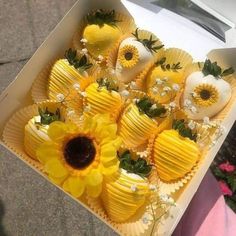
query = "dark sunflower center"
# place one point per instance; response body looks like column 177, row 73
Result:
column 205, row 94
column 128, row 56
column 79, row 152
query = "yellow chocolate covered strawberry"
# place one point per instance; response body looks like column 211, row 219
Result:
column 67, row 72
column 101, row 32
column 126, row 191
column 103, row 97
column 139, row 121
column 175, row 152
column 36, row 131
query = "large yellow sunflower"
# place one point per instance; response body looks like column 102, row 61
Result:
column 205, row 95
column 76, row 158
column 128, row 56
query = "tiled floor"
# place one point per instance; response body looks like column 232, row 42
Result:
column 29, row 205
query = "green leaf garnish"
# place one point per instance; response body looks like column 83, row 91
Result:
column 174, row 67
column 149, row 44
column 47, row 117
column 81, row 63
column 210, row 68
column 146, row 106
column 101, row 17
column 109, row 83
column 183, row 130
column 139, row 166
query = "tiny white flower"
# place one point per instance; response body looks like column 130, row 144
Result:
column 112, row 71
column 172, row 105
column 83, row 94
column 145, row 219
column 84, row 51
column 83, row 40
column 176, row 87
column 193, row 109
column 163, row 94
column 193, row 94
column 76, row 86
column 133, row 188
column 191, row 124
column 206, row 120
column 153, row 187
column 165, row 79
column 167, row 199
column 136, row 100
column 159, row 81
column 167, row 89
column 87, row 108
column 60, row 97
column 133, row 85
column 155, row 90
column 100, row 57
column 124, row 93
column 154, row 106
column 187, row 102
column 70, row 113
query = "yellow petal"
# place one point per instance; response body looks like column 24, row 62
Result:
column 94, row 191
column 110, row 170
column 76, row 186
column 55, row 168
column 66, row 186
column 94, row 177
column 57, row 130
column 57, row 181
column 47, row 151
column 108, row 150
column 71, row 127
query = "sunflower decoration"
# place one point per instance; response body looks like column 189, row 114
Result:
column 206, row 92
column 128, row 56
column 77, row 158
column 205, row 95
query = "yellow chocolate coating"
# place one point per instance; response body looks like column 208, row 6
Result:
column 174, row 155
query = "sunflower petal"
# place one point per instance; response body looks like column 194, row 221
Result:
column 94, row 178
column 76, row 186
column 55, row 168
column 57, row 181
column 108, row 150
column 47, row 151
column 94, row 191
column 110, row 170
column 57, row 130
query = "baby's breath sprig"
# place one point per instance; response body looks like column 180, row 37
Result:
column 148, row 43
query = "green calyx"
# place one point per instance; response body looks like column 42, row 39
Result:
column 108, row 83
column 184, row 130
column 101, row 17
column 139, row 167
column 150, row 44
column 146, row 106
column 211, row 68
column 81, row 63
column 174, row 67
column 47, row 117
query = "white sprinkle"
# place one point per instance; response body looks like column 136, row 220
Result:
column 191, row 124
column 124, row 93
column 60, row 97
column 176, row 87
column 133, row 188
column 76, row 86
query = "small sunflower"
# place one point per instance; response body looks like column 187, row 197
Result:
column 77, row 158
column 205, row 95
column 128, row 56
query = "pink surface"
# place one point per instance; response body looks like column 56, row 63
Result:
column 207, row 214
